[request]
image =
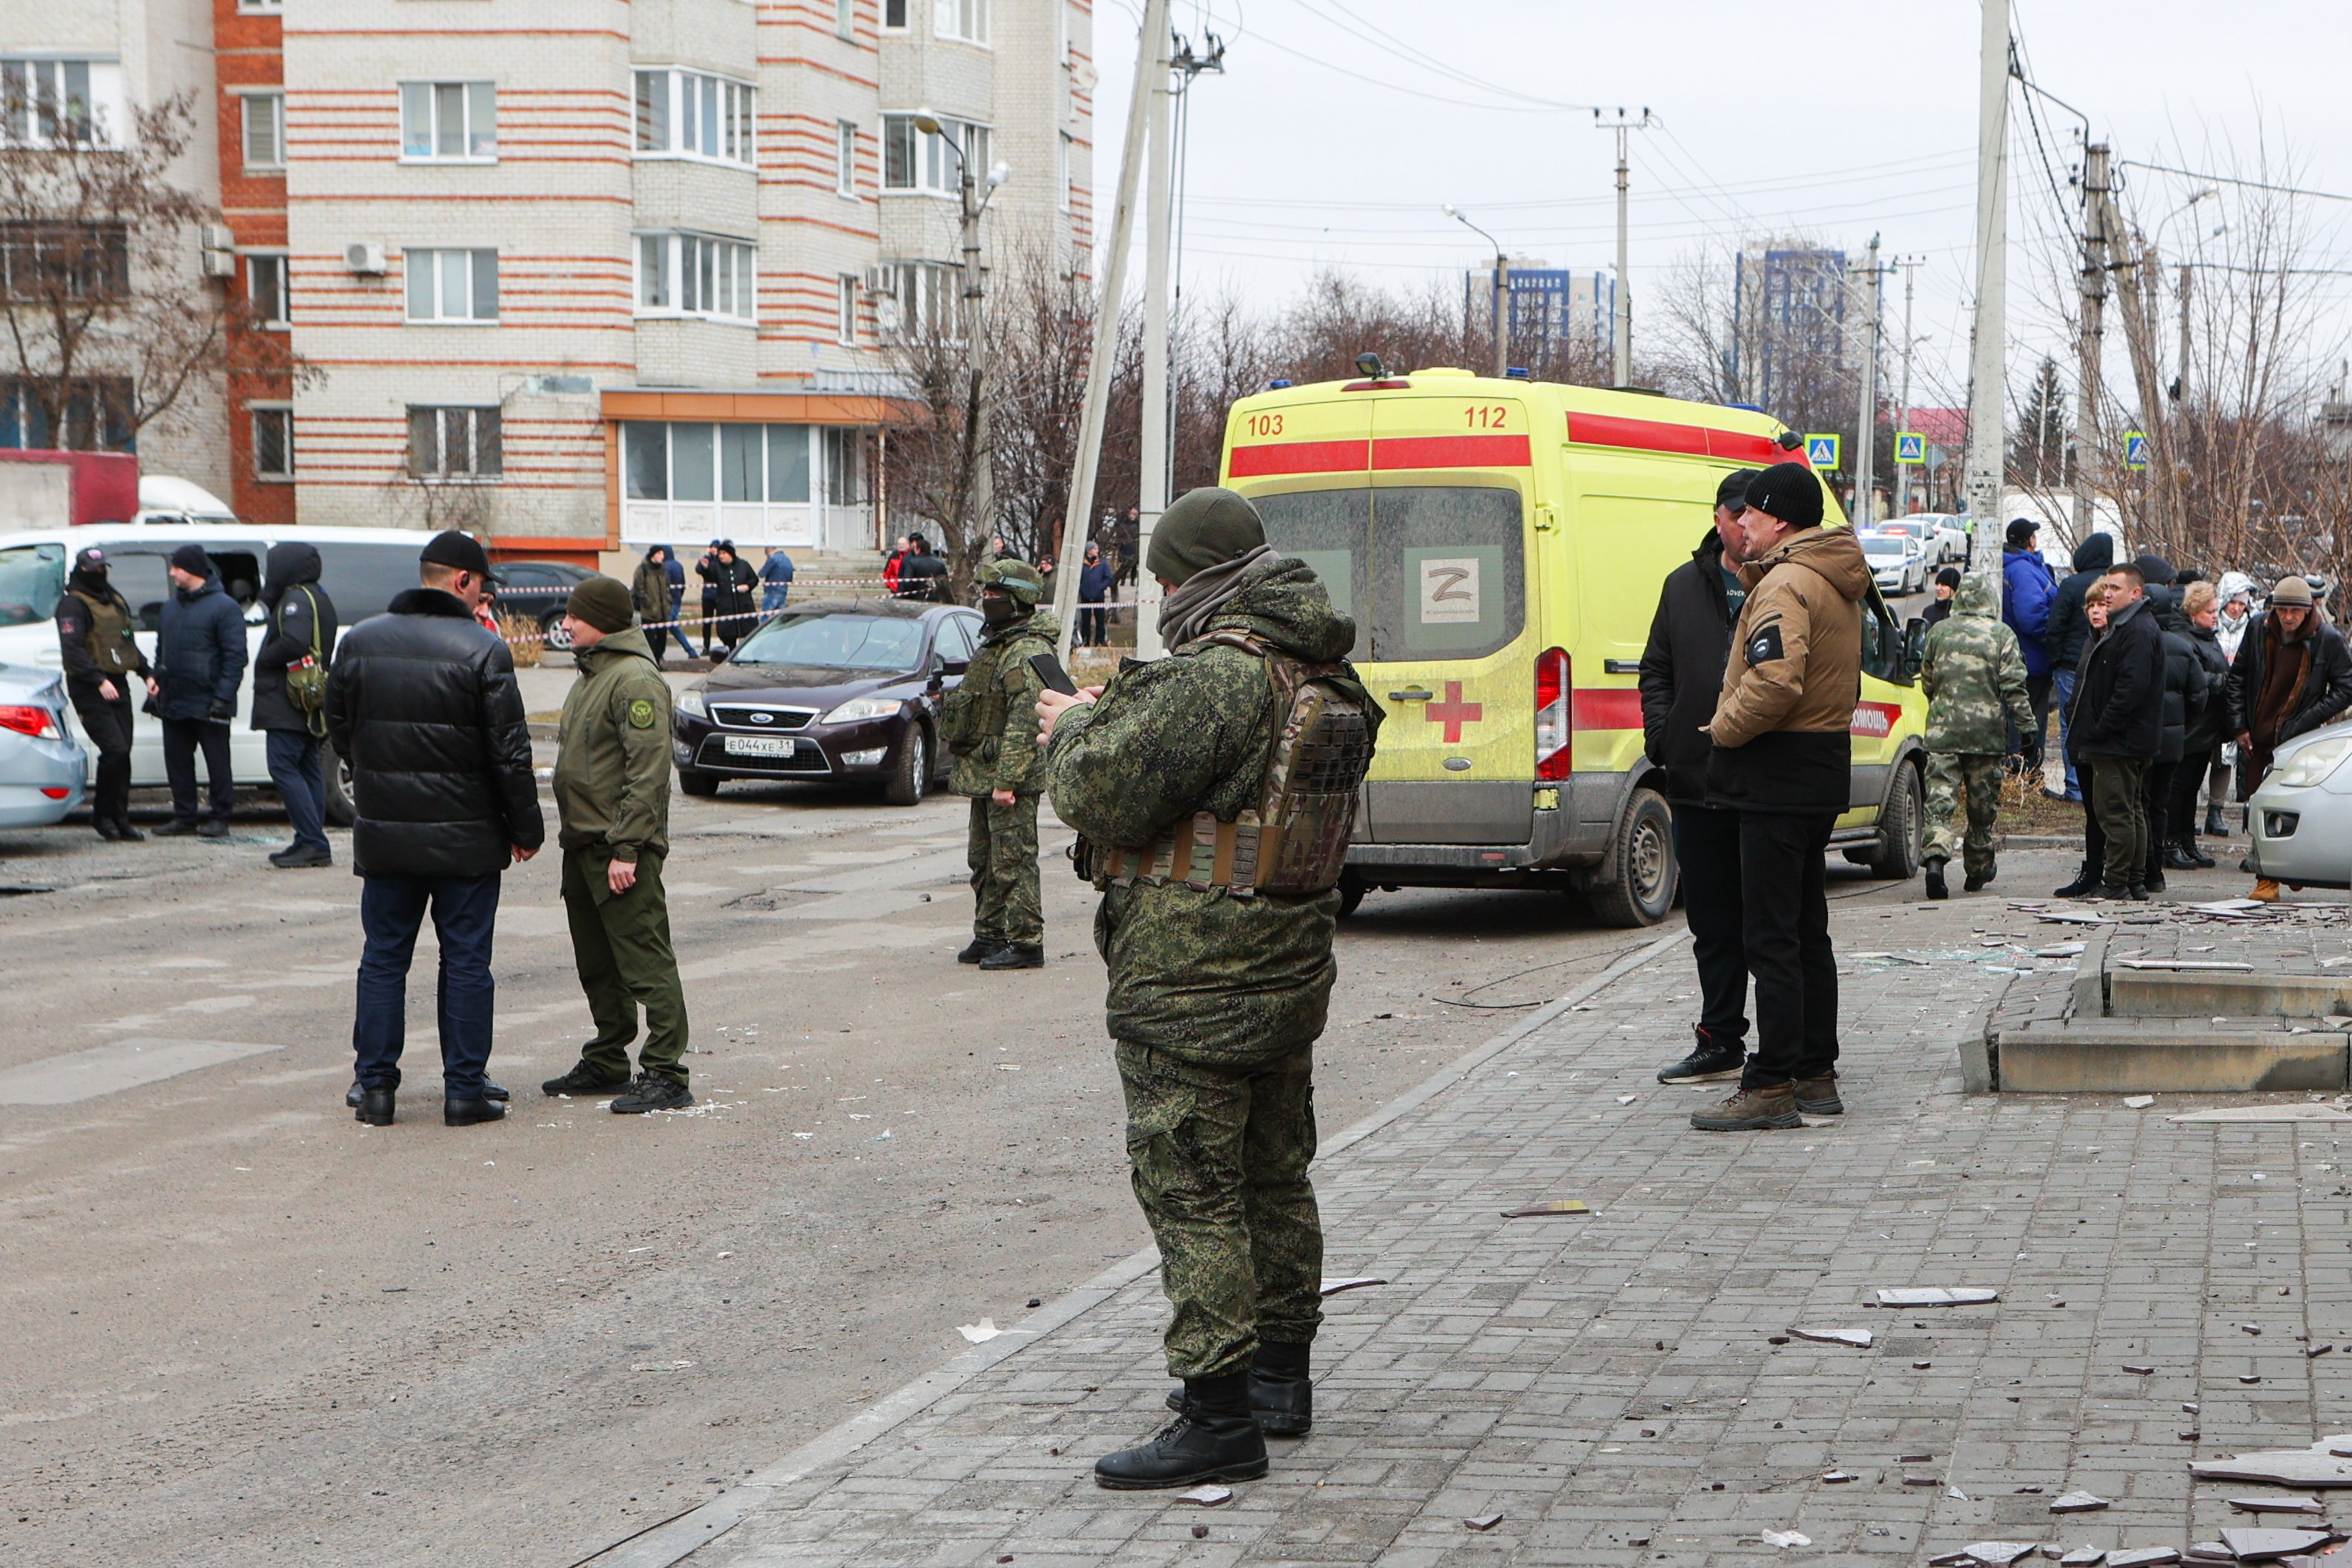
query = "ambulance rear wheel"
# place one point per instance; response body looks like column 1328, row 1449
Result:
column 1640, row 870
column 1902, row 828
column 1352, row 889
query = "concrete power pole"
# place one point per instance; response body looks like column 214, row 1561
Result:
column 1987, row 390
column 2085, row 447
column 1623, row 314
column 1910, row 265
column 1152, row 497
column 1152, row 45
column 1865, row 434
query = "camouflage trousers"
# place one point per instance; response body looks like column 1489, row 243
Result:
column 1950, row 775
column 1003, row 856
column 1219, row 1157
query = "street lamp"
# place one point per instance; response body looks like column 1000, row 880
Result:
column 974, row 339
column 997, row 175
column 1502, row 291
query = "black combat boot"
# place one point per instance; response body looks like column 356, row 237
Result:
column 978, row 949
column 2202, row 860
column 2084, row 885
column 375, row 1108
column 1977, row 881
column 2213, row 828
column 1710, row 1057
column 1281, row 1394
column 1017, row 956
column 1936, row 888
column 1213, row 1438
column 583, row 1079
column 2181, row 855
column 455, row 1113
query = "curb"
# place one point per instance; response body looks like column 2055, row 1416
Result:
column 681, row 1537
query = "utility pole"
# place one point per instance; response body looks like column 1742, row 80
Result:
column 2085, row 446
column 2180, row 383
column 980, row 481
column 1865, row 435
column 1502, row 293
column 1910, row 265
column 1623, row 324
column 1988, row 440
column 1152, row 45
column 1152, row 492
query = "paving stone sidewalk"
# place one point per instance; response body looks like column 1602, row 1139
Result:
column 1609, row 1385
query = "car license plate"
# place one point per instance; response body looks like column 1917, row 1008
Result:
column 759, row 746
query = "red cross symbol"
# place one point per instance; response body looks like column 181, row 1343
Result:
column 1453, row 713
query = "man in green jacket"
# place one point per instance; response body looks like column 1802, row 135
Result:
column 1974, row 676
column 1217, row 925
column 990, row 721
column 612, row 793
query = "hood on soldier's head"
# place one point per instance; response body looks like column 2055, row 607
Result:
column 288, row 564
column 1978, row 594
column 2095, row 554
column 1205, row 528
column 1288, row 605
column 1834, row 553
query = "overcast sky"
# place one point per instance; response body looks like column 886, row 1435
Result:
column 1341, row 126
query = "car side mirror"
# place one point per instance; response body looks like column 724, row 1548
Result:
column 1914, row 646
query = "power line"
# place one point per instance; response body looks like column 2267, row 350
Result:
column 2228, row 180
column 1388, row 43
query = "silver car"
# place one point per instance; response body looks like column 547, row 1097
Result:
column 42, row 767
column 2301, row 813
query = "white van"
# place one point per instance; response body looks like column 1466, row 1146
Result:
column 361, row 568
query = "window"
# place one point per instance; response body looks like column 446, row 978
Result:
column 44, row 260
column 690, row 114
column 696, row 275
column 265, row 130
column 272, row 7
column 265, row 288
column 845, row 158
column 97, row 414
column 739, row 463
column 845, row 472
column 448, row 121
column 452, row 284
column 1062, row 169
column 455, row 444
column 894, row 16
column 273, row 440
column 844, row 323
column 928, row 300
column 966, row 20
column 912, row 161
column 51, row 103
column 844, row 19
column 1437, row 567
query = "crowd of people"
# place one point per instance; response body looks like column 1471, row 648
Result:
column 914, row 570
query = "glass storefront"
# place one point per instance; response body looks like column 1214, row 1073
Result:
column 757, row 484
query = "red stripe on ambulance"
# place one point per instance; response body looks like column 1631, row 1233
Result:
column 1451, row 452
column 1691, row 440
column 1608, row 708
column 1299, row 457
column 1875, row 720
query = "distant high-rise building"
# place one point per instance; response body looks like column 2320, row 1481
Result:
column 1789, row 313
column 1557, row 314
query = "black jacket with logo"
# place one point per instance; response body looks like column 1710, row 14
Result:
column 423, row 702
column 1682, row 670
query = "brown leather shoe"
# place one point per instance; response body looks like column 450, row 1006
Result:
column 1818, row 1096
column 1751, row 1110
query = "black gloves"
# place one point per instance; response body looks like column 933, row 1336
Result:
column 222, row 712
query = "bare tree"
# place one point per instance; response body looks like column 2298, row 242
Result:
column 936, row 452
column 104, row 328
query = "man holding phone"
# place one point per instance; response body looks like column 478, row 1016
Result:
column 990, row 722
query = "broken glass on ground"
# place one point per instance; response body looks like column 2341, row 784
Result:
column 1784, row 1539
column 2310, row 1505
column 1858, row 1338
column 1937, row 1296
column 2261, row 1546
column 2326, row 1464
column 1552, row 1206
column 979, row 1332
column 1207, row 1497
column 2141, row 1556
column 1484, row 1521
column 2077, row 1502
column 2084, row 1557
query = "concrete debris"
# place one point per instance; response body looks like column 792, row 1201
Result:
column 1994, row 1554
column 1554, row 1205
column 2084, row 1557
column 1835, row 1478
column 1211, row 1496
column 2261, row 1546
column 2318, row 1350
column 1484, row 1521
column 1914, row 1458
column 2142, row 1370
column 2308, row 1505
column 1199, row 1533
column 979, row 1332
column 2326, row 1464
column 2078, row 1503
column 1860, row 1338
column 2301, row 1111
column 1784, row 1539
column 2141, row 1557
column 2201, row 964
column 2139, row 1101
column 1938, row 1296
column 1332, row 1287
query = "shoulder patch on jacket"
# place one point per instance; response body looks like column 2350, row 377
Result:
column 640, row 712
column 1765, row 645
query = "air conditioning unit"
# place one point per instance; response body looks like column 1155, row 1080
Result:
column 882, row 278
column 366, row 258
column 219, row 254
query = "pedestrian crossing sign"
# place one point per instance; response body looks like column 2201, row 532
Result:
column 1910, row 446
column 1822, row 451
column 2134, row 449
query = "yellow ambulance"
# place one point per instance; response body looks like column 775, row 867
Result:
column 1501, row 545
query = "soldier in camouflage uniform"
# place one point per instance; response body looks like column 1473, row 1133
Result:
column 990, row 722
column 1215, row 998
column 1974, row 676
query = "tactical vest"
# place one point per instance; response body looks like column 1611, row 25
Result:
column 108, row 638
column 971, row 716
column 1296, row 841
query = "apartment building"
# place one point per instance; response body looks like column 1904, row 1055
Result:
column 583, row 274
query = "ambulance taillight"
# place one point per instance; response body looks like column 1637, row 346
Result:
column 1555, row 729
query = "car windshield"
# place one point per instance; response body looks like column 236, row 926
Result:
column 835, row 643
column 32, row 579
column 1889, row 548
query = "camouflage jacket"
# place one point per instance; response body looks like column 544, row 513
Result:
column 1203, row 975
column 1974, row 674
column 990, row 720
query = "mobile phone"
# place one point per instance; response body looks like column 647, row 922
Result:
column 1049, row 670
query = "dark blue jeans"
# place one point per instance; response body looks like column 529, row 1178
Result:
column 465, row 917
column 676, row 605
column 294, row 767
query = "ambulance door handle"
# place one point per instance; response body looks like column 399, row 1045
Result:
column 1411, row 694
column 1622, row 666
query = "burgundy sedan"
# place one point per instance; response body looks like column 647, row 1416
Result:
column 841, row 690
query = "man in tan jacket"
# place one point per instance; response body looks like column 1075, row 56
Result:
column 1781, row 758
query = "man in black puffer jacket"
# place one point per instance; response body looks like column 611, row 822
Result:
column 2119, row 704
column 422, row 702
column 1681, row 677
column 199, row 662
column 2069, row 629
